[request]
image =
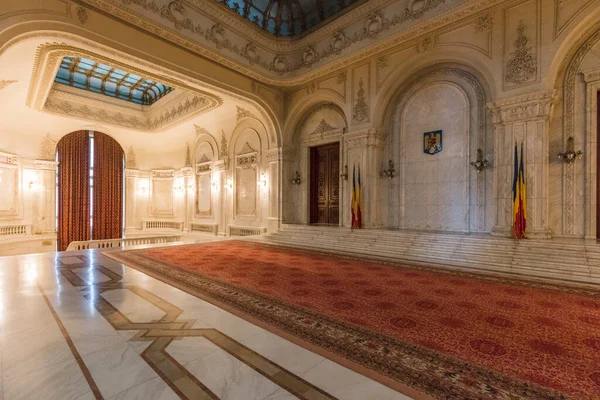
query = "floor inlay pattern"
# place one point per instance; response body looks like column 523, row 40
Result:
column 165, row 331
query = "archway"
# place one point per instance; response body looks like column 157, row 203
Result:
column 439, row 191
column 89, row 188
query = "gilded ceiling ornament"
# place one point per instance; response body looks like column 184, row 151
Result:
column 243, row 113
column 223, row 144
column 250, row 52
column 374, row 23
column 281, row 64
column 521, row 66
column 4, row 83
column 484, row 23
column 82, row 15
column 309, row 57
column 361, row 108
column 188, row 155
column 48, row 147
column 130, row 161
column 338, row 42
column 177, row 14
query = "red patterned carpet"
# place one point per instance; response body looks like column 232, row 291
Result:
column 445, row 334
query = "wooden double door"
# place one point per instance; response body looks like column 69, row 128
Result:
column 325, row 184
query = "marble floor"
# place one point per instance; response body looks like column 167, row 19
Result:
column 79, row 325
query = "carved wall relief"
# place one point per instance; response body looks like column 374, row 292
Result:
column 361, row 94
column 521, row 43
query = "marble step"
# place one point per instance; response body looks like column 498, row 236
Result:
column 557, row 255
column 580, row 275
column 543, row 247
column 578, row 269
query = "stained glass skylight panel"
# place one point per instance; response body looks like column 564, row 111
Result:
column 287, row 17
column 113, row 82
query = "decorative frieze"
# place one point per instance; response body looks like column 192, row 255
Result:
column 243, row 113
column 132, row 172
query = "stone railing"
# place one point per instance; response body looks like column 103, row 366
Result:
column 155, row 224
column 15, row 230
column 246, row 230
column 122, row 243
column 210, row 228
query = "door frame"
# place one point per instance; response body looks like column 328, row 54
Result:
column 316, row 140
column 311, row 184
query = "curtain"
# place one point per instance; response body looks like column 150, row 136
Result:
column 107, row 221
column 73, row 188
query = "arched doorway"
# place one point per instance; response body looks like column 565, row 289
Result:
column 89, row 188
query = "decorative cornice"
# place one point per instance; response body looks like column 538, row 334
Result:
column 274, row 155
column 288, row 66
column 322, row 127
column 243, row 113
column 532, row 106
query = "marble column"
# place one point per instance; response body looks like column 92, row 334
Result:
column 223, row 194
column 274, row 158
column 364, row 149
column 44, row 201
column 187, row 174
column 522, row 119
column 131, row 176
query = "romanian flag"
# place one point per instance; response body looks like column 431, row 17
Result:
column 355, row 209
column 353, row 206
column 358, row 203
column 519, row 197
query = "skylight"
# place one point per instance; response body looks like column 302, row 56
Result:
column 287, row 17
column 100, row 78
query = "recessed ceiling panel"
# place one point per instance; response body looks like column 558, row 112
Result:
column 287, row 17
column 100, row 78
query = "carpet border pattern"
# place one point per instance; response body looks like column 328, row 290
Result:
column 390, row 359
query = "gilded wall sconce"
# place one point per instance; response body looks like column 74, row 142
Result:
column 297, row 179
column 390, row 172
column 344, row 176
column 570, row 154
column 481, row 162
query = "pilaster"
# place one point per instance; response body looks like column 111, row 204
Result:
column 363, row 149
column 522, row 120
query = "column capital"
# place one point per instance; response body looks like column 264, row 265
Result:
column 532, row 106
column 274, row 154
column 365, row 138
column 132, row 173
column 42, row 165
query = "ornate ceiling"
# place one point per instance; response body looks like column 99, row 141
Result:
column 89, row 75
column 287, row 17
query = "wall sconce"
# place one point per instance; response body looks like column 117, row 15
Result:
column 570, row 155
column 230, row 183
column 296, row 180
column 263, row 179
column 390, row 171
column 481, row 162
column 344, row 176
column 32, row 185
